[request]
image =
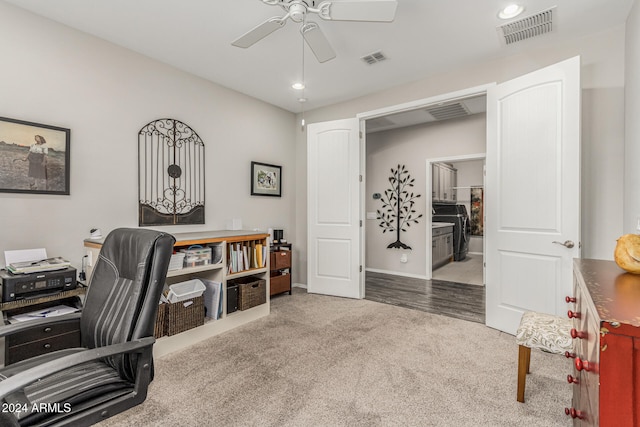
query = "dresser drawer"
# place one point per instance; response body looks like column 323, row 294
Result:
column 586, row 349
column 46, row 345
column 42, row 332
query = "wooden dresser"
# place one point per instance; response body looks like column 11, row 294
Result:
column 605, row 309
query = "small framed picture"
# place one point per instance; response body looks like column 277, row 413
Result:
column 34, row 157
column 266, row 180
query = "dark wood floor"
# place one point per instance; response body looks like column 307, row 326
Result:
column 459, row 300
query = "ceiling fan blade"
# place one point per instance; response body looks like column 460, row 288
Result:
column 317, row 41
column 259, row 32
column 366, row 10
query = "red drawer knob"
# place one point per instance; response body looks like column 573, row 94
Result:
column 569, row 355
column 582, row 365
column 574, row 413
column 569, row 299
column 573, row 314
column 572, row 380
column 577, row 334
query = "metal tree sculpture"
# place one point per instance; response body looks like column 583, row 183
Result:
column 397, row 211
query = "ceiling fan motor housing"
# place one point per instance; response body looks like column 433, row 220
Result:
column 297, row 11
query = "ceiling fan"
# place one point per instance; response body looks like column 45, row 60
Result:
column 297, row 11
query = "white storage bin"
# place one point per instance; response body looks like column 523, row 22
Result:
column 177, row 261
column 185, row 290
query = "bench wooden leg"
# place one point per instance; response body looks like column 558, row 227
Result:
column 524, row 359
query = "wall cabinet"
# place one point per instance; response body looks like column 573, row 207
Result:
column 228, row 268
column 605, row 372
column 444, row 181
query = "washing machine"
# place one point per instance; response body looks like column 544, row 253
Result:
column 457, row 214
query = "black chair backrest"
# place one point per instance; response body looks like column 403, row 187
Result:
column 124, row 291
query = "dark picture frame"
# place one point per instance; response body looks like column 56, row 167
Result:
column 34, row 157
column 266, row 179
column 477, row 211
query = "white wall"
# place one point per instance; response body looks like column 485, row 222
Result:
column 411, row 146
column 632, row 122
column 602, row 59
column 105, row 94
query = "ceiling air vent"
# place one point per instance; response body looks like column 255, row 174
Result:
column 530, row 26
column 450, row 111
column 374, row 58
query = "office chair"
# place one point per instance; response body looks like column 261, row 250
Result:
column 112, row 370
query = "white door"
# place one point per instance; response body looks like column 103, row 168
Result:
column 533, row 201
column 334, row 264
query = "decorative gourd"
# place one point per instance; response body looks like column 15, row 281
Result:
column 627, row 253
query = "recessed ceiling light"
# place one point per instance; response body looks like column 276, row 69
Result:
column 298, row 86
column 511, row 11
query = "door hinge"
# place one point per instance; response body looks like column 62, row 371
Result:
column 360, row 269
column 360, row 178
column 360, row 223
column 360, row 133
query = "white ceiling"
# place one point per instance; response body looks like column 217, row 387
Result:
column 426, row 37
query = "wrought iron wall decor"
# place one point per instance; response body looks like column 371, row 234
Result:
column 170, row 174
column 397, row 213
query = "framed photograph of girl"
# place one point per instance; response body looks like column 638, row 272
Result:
column 34, row 158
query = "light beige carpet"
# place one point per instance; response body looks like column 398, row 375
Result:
column 326, row 361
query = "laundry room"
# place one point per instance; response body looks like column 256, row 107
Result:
column 402, row 148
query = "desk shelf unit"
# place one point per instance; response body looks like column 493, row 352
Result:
column 218, row 272
column 280, row 268
column 41, row 339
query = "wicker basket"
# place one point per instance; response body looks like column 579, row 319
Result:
column 179, row 318
column 252, row 291
column 159, row 330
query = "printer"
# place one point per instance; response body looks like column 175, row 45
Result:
column 14, row 287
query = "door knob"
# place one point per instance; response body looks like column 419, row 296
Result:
column 567, row 243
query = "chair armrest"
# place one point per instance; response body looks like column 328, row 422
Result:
column 19, row 381
column 22, row 326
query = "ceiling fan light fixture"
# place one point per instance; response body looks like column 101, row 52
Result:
column 298, row 86
column 511, row 11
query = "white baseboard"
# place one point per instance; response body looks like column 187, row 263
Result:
column 397, row 273
column 299, row 285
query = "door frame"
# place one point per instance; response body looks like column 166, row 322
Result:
column 429, row 203
column 400, row 108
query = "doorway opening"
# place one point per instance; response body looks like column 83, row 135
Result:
column 462, row 228
column 389, row 280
